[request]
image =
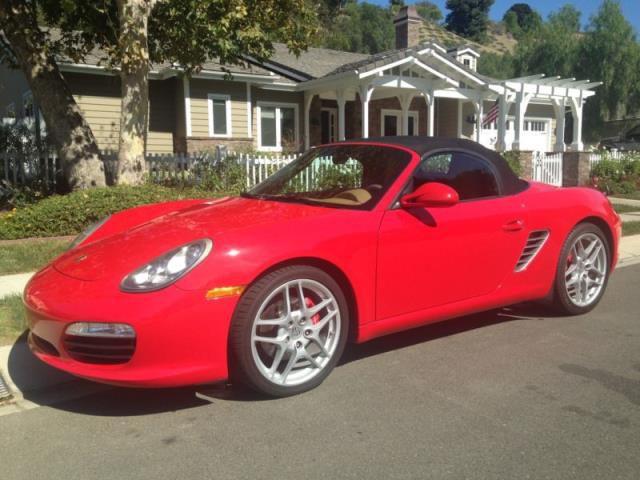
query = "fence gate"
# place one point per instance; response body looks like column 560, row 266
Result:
column 547, row 168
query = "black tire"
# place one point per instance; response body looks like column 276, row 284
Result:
column 562, row 303
column 243, row 367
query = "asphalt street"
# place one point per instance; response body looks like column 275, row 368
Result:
column 511, row 394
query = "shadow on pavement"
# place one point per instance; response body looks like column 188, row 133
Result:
column 44, row 385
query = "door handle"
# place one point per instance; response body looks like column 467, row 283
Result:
column 513, row 226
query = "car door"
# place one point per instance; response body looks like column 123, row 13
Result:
column 434, row 256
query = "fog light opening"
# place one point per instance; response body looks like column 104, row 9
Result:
column 101, row 330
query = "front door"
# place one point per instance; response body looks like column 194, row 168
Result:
column 328, row 125
column 435, row 256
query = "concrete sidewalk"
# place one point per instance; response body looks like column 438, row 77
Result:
column 13, row 284
column 625, row 201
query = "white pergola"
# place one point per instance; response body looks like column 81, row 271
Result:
column 427, row 71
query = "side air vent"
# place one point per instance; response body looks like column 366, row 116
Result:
column 534, row 244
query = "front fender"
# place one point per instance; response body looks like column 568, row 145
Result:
column 132, row 217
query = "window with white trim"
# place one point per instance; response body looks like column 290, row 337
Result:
column 277, row 126
column 535, row 126
column 219, row 115
column 391, row 122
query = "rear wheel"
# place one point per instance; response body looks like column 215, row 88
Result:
column 289, row 331
column 583, row 270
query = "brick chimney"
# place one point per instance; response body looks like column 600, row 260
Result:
column 407, row 24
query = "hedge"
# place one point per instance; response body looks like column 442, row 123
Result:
column 615, row 177
column 70, row 214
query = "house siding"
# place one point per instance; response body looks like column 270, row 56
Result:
column 98, row 97
column 201, row 88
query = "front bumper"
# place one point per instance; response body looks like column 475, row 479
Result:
column 181, row 338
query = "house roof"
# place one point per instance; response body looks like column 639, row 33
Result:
column 374, row 61
column 313, row 62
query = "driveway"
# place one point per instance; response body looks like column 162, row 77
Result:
column 508, row 394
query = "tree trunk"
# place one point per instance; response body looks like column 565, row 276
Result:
column 134, row 76
column 77, row 147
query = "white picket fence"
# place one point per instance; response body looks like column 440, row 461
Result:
column 42, row 167
column 547, row 168
column 259, row 167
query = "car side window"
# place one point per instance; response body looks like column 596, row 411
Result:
column 469, row 175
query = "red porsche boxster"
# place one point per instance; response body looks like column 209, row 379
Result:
column 352, row 241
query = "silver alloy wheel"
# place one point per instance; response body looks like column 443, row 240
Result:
column 586, row 269
column 295, row 332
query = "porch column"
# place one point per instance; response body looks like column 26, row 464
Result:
column 559, row 110
column 576, row 111
column 365, row 97
column 429, row 98
column 460, row 119
column 405, row 102
column 187, row 105
column 308, row 98
column 479, row 109
column 503, row 111
column 522, row 101
column 341, row 99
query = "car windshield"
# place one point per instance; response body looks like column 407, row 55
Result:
column 347, row 176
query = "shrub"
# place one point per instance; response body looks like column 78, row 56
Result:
column 69, row 214
column 615, row 177
column 513, row 159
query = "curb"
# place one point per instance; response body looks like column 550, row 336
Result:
column 35, row 384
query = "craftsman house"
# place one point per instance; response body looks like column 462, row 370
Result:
column 289, row 103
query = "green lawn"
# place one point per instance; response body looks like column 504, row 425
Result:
column 29, row 256
column 625, row 208
column 630, row 228
column 12, row 319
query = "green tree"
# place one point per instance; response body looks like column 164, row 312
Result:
column 469, row 18
column 130, row 34
column 496, row 65
column 429, row 11
column 521, row 19
column 610, row 54
column 28, row 47
column 360, row 27
column 552, row 49
column 567, row 17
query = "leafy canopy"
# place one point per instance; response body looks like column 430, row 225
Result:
column 469, row 18
column 187, row 32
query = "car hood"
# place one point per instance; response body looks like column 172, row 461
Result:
column 125, row 251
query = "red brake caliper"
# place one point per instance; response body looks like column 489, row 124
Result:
column 310, row 303
column 569, row 260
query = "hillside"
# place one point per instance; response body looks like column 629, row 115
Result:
column 499, row 41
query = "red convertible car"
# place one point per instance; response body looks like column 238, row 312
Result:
column 352, row 241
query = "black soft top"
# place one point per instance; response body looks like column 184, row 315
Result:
column 511, row 184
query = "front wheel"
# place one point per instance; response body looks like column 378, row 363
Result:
column 583, row 270
column 289, row 331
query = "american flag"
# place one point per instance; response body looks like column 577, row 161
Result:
column 491, row 115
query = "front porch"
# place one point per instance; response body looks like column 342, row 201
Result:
column 424, row 91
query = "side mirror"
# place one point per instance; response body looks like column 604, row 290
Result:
column 432, row 194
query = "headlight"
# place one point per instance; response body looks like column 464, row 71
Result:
column 168, row 268
column 87, row 232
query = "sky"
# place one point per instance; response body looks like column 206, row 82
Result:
column 630, row 8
